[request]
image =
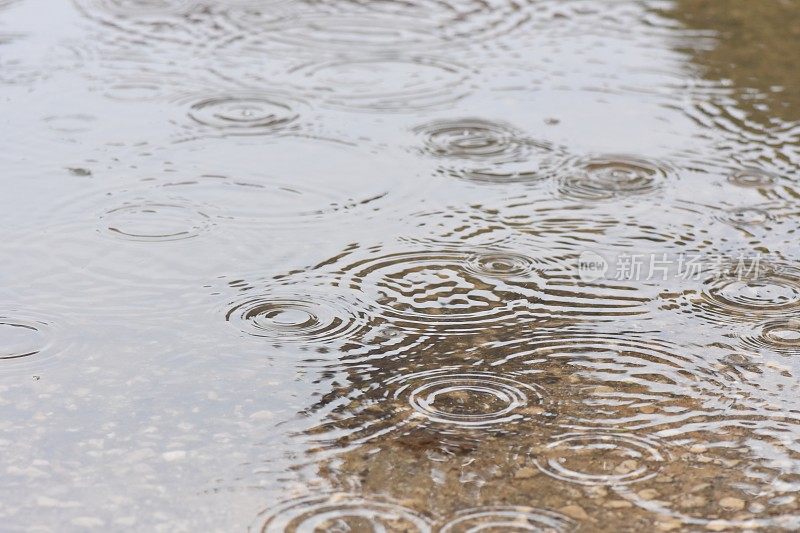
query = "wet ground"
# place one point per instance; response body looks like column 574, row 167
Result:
column 419, row 265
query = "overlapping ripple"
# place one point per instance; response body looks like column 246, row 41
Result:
column 485, row 151
column 450, row 405
column 454, row 292
column 468, row 225
column 383, row 27
column 348, row 30
column 573, row 226
column 717, row 482
column 482, row 332
column 471, row 138
column 435, row 292
column 610, row 381
column 778, row 335
column 743, row 292
column 601, row 459
column 607, row 177
column 146, row 23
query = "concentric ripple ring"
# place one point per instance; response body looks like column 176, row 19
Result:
column 602, row 459
column 147, row 221
column 488, row 152
column 779, row 335
column 356, row 513
column 611, row 176
column 471, row 138
column 388, row 85
column 508, row 518
column 469, row 399
column 290, row 318
column 501, row 264
column 434, row 291
column 752, row 178
column 21, row 337
column 244, row 114
column 757, row 295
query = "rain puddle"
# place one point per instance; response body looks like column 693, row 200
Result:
column 419, row 265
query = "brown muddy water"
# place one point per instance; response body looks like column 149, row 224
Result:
column 418, row 265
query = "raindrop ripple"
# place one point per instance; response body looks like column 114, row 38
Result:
column 602, row 459
column 355, row 513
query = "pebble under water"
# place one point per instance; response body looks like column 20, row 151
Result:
column 412, row 266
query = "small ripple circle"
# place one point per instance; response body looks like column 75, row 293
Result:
column 752, row 178
column 21, row 336
column 470, row 399
column 502, row 264
column 248, row 114
column 470, row 138
column 611, row 176
column 294, row 318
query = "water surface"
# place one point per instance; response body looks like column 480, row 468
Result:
column 421, row 265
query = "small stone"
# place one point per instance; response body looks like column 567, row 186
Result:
column 618, row 504
column 526, row 472
column 734, row 504
column 692, row 501
column 626, row 467
column 648, row 494
column 669, row 525
column 533, row 411
column 603, row 389
column 698, row 448
column 575, row 511
column 648, row 409
column 596, row 491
